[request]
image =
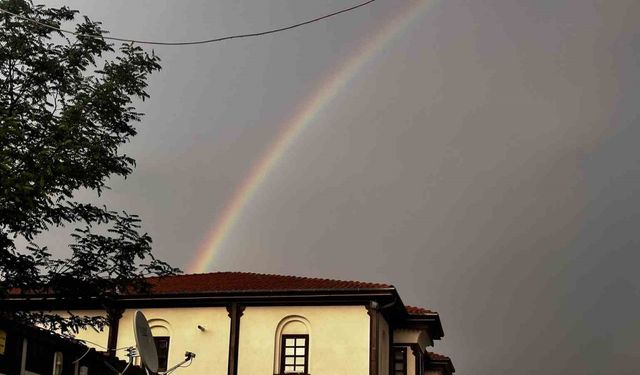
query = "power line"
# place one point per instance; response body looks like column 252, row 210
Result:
column 238, row 36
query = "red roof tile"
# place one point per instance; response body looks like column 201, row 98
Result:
column 245, row 281
column 438, row 357
column 413, row 310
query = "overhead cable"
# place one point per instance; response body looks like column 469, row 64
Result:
column 186, row 43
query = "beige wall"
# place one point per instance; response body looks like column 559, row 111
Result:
column 412, row 336
column 411, row 362
column 181, row 324
column 338, row 339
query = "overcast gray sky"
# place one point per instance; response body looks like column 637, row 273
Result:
column 485, row 162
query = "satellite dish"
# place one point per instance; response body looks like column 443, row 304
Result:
column 145, row 343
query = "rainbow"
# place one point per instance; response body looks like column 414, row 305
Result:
column 305, row 114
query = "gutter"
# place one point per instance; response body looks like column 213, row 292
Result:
column 255, row 297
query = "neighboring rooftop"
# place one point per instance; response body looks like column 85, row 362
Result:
column 438, row 357
column 413, row 310
column 439, row 361
column 247, row 281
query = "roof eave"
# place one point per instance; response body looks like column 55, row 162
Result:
column 249, row 297
column 429, row 321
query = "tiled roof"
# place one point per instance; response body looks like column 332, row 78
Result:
column 438, row 357
column 413, row 310
column 439, row 361
column 246, row 281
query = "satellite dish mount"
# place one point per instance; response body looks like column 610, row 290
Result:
column 147, row 347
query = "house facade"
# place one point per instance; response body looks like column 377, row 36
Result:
column 249, row 324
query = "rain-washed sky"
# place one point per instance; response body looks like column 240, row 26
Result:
column 485, row 162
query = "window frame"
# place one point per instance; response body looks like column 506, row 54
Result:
column 395, row 361
column 156, row 339
column 283, row 351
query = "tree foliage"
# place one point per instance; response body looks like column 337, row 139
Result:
column 65, row 109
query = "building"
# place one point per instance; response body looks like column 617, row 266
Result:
column 29, row 350
column 248, row 324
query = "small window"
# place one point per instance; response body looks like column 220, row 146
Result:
column 399, row 361
column 295, row 354
column 162, row 345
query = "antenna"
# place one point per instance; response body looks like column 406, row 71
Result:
column 145, row 343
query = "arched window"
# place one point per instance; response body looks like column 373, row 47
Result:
column 292, row 346
column 160, row 329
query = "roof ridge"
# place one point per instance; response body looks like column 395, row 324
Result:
column 275, row 275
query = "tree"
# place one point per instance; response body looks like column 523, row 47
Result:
column 65, row 108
